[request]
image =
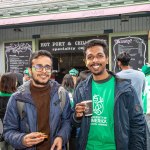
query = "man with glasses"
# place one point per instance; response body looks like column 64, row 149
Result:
column 44, row 124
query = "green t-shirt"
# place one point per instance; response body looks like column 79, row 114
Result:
column 101, row 134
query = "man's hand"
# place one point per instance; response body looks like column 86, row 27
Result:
column 79, row 110
column 33, row 139
column 57, row 144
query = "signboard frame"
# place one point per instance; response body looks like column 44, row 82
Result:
column 130, row 37
column 68, row 45
column 16, row 52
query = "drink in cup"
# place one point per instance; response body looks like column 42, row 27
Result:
column 88, row 107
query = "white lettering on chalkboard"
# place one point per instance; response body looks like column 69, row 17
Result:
column 58, row 43
column 69, row 45
column 135, row 46
column 19, row 47
column 80, row 42
column 45, row 44
column 17, row 56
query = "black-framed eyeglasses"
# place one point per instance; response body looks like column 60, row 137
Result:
column 39, row 68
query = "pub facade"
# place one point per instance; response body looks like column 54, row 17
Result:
column 63, row 27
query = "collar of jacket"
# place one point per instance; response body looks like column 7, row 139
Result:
column 121, row 85
column 24, row 94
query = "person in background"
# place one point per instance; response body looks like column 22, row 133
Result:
column 74, row 73
column 19, row 78
column 68, row 84
column 146, row 94
column 146, row 100
column 45, row 125
column 117, row 121
column 8, row 85
column 82, row 76
column 26, row 75
column 137, row 77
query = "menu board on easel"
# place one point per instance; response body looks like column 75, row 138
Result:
column 135, row 45
column 17, row 56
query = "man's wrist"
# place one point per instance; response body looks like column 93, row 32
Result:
column 76, row 119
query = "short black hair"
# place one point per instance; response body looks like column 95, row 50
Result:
column 124, row 58
column 96, row 42
column 38, row 54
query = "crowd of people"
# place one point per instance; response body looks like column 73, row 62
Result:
column 52, row 116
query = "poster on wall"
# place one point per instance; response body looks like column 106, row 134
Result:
column 68, row 45
column 135, row 45
column 17, row 56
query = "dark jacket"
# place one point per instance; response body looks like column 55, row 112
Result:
column 3, row 105
column 15, row 128
column 129, row 122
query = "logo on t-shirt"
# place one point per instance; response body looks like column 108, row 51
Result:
column 98, row 109
column 98, row 106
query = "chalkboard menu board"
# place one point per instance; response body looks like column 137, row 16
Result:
column 17, row 56
column 68, row 45
column 136, row 46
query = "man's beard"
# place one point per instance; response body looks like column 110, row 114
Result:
column 98, row 73
column 39, row 82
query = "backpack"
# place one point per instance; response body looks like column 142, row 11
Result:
column 20, row 105
column 62, row 97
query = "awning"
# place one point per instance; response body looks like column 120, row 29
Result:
column 76, row 15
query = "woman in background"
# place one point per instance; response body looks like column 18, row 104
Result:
column 8, row 85
column 68, row 84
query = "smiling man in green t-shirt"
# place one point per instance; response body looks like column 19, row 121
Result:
column 117, row 121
